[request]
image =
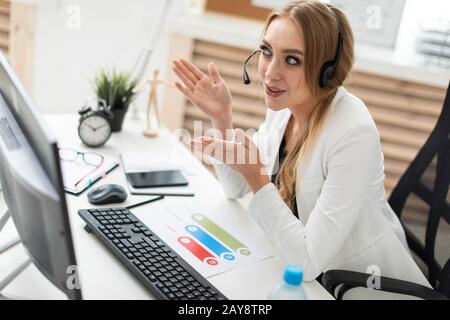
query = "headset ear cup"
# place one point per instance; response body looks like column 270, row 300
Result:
column 326, row 74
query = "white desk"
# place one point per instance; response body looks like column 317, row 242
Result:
column 102, row 275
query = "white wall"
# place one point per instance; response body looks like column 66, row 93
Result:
column 111, row 34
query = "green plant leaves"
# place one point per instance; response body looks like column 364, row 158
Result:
column 115, row 87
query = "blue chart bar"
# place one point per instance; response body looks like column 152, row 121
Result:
column 210, row 242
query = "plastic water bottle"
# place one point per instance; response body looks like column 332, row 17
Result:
column 291, row 287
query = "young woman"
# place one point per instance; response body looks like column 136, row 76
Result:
column 324, row 206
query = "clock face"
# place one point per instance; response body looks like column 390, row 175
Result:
column 94, row 130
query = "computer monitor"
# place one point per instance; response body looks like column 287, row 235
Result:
column 31, row 180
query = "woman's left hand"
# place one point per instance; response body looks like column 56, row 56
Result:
column 242, row 155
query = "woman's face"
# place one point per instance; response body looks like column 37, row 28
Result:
column 281, row 65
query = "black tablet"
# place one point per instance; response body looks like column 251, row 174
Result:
column 152, row 179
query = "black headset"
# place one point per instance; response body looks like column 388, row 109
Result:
column 329, row 68
column 326, row 72
column 246, row 77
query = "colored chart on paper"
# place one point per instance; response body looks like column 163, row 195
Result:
column 196, row 249
column 221, row 234
column 212, row 244
column 202, row 237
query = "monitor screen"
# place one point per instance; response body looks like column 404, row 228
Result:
column 31, row 180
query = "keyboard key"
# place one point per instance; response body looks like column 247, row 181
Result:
column 142, row 267
column 173, row 280
column 212, row 291
column 184, row 290
column 152, row 244
column 129, row 256
column 185, row 283
column 165, row 291
column 160, row 285
column 171, row 296
column 178, row 286
column 126, row 243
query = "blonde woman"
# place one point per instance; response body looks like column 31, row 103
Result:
column 324, row 205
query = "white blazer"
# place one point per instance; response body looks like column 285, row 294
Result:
column 345, row 221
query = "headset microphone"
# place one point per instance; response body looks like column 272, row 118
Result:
column 246, row 77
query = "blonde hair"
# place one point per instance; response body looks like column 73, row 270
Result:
column 320, row 24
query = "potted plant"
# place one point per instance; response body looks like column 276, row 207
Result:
column 117, row 89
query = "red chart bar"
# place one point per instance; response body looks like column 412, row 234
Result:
column 201, row 253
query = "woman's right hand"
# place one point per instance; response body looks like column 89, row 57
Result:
column 210, row 93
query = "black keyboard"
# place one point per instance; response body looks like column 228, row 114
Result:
column 165, row 273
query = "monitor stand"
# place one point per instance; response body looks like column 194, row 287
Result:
column 14, row 274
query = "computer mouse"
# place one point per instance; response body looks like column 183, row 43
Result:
column 108, row 193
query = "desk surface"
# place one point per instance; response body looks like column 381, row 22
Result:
column 102, row 275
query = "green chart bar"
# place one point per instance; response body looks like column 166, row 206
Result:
column 221, row 234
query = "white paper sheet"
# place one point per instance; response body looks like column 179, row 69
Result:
column 200, row 237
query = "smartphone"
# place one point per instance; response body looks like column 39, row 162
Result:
column 152, row 179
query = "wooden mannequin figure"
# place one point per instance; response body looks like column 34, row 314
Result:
column 152, row 101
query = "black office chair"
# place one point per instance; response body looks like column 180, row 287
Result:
column 437, row 145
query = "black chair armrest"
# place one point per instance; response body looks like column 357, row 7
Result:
column 350, row 279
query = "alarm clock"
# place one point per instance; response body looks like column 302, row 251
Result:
column 94, row 128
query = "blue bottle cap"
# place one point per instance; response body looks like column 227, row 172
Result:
column 293, row 275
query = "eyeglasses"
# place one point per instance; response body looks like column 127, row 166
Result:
column 90, row 158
